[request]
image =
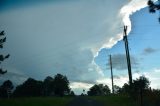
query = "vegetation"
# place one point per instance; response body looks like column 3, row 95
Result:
column 153, row 7
column 114, row 100
column 2, row 57
column 57, row 86
column 137, row 94
column 150, row 99
column 99, row 90
column 36, row 101
column 5, row 89
column 29, row 88
column 61, row 85
column 55, row 91
column 138, row 85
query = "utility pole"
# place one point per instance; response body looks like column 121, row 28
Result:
column 127, row 55
column 111, row 73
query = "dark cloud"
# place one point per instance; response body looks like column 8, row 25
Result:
column 16, row 78
column 149, row 50
column 43, row 42
column 119, row 62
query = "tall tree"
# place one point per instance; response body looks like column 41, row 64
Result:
column 61, row 85
column 48, row 86
column 99, row 89
column 2, row 57
column 139, row 85
column 30, row 87
column 5, row 89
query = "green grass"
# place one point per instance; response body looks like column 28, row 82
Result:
column 121, row 100
column 115, row 100
column 36, row 101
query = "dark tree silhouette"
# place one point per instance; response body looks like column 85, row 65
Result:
column 125, row 89
column 29, row 88
column 61, row 85
column 100, row 89
column 2, row 57
column 58, row 86
column 141, row 83
column 139, row 86
column 72, row 93
column 5, row 89
column 153, row 7
column 48, row 86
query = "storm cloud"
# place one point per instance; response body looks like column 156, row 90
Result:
column 62, row 36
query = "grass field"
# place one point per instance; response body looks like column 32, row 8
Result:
column 112, row 100
column 115, row 100
column 36, row 101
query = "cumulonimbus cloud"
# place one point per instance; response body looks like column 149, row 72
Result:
column 64, row 37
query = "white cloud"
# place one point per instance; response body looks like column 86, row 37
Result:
column 153, row 76
column 124, row 15
column 120, row 81
column 82, row 85
column 129, row 9
column 78, row 87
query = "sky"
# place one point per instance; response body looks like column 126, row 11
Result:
column 75, row 37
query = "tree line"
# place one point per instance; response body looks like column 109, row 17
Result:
column 140, row 87
column 56, row 86
column 59, row 86
column 141, row 83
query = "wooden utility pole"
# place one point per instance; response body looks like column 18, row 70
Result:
column 111, row 73
column 127, row 55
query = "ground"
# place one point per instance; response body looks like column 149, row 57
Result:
column 110, row 100
column 84, row 101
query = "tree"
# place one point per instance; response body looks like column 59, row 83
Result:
column 72, row 93
column 48, row 86
column 98, row 90
column 117, row 89
column 125, row 89
column 153, row 7
column 137, row 88
column 29, row 88
column 5, row 89
column 141, row 83
column 2, row 57
column 61, row 85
